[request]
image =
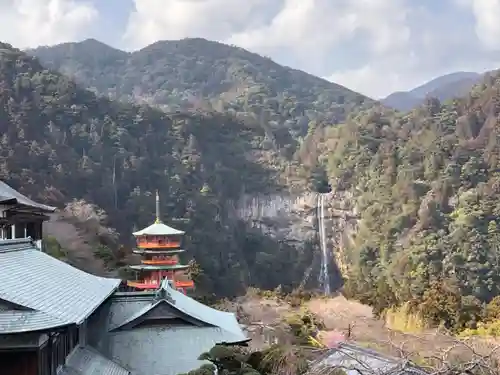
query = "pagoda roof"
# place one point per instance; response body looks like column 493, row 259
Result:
column 158, row 251
column 9, row 195
column 158, row 229
column 159, row 267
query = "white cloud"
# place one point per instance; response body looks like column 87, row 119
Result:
column 305, row 29
column 487, row 14
column 309, row 26
column 295, row 24
column 372, row 46
column 174, row 19
column 369, row 79
column 30, row 23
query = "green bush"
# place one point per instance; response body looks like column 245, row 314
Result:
column 52, row 247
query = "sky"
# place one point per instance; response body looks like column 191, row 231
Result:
column 374, row 47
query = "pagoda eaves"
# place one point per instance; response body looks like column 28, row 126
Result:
column 158, row 251
column 159, row 245
column 159, row 267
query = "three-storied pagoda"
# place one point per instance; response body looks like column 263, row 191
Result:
column 159, row 246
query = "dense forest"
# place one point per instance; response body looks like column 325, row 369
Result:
column 60, row 142
column 426, row 184
column 197, row 73
column 427, row 187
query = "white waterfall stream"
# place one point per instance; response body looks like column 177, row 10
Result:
column 324, row 274
column 292, row 218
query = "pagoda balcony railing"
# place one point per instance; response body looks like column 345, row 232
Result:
column 150, row 284
column 153, row 284
column 158, row 245
column 183, row 280
column 160, row 261
column 184, row 284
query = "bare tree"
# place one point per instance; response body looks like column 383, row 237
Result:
column 90, row 216
column 461, row 357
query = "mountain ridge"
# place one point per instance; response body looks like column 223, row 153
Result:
column 61, row 142
column 444, row 87
column 196, row 72
column 426, row 186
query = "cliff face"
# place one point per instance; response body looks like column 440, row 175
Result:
column 294, row 218
column 342, row 224
column 284, row 217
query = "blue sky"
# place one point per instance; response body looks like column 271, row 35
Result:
column 372, row 46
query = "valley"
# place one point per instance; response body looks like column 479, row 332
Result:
column 242, row 148
column 267, row 317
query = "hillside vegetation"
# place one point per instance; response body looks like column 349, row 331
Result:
column 426, row 184
column 197, row 73
column 60, row 142
column 427, row 187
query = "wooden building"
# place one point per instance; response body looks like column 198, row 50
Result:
column 44, row 308
column 21, row 217
column 58, row 320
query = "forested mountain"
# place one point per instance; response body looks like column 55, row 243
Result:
column 427, row 187
column 443, row 88
column 426, row 183
column 60, row 142
column 197, row 73
column 402, row 101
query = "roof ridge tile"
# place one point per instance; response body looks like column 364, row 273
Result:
column 18, row 244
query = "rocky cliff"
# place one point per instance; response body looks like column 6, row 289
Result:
column 294, row 218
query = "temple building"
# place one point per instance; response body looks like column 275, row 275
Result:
column 159, row 246
column 20, row 217
column 58, row 320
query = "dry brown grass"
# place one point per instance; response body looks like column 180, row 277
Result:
column 368, row 331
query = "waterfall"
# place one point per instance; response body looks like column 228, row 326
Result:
column 324, row 275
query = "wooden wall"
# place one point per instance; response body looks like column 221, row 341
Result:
column 18, row 363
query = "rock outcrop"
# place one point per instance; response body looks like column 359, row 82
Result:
column 293, row 218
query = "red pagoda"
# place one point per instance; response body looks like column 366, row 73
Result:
column 159, row 246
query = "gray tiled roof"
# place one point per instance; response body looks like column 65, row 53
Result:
column 6, row 192
column 40, row 282
column 123, row 307
column 130, row 318
column 225, row 320
column 65, row 370
column 189, row 306
column 15, row 244
column 355, row 360
column 15, row 321
column 163, row 351
column 87, row 361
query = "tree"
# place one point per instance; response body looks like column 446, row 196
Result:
column 226, row 360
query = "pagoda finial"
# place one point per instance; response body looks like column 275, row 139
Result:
column 158, row 218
